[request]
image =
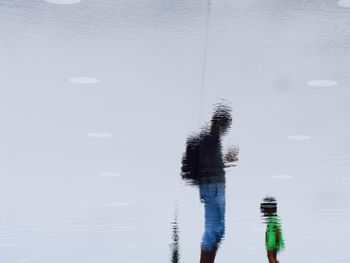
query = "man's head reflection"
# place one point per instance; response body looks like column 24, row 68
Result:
column 221, row 121
column 203, row 165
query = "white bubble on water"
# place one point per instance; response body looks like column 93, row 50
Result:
column 109, row 174
column 7, row 245
column 84, row 80
column 99, row 135
column 322, row 83
column 282, row 176
column 63, row 2
column 299, row 137
column 118, row 204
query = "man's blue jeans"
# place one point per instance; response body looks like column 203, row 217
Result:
column 213, row 197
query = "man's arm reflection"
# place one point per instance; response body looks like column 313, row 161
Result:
column 203, row 165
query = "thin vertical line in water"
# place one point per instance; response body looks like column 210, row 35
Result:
column 202, row 88
column 205, row 58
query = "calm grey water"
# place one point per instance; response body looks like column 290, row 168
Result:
column 97, row 99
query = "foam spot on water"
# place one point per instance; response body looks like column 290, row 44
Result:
column 281, row 176
column 299, row 137
column 63, row 2
column 99, row 135
column 322, row 83
column 118, row 204
column 130, row 246
column 84, row 80
column 8, row 245
column 109, row 174
column 344, row 3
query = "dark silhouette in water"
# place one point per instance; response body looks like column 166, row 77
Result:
column 203, row 166
column 175, row 254
column 274, row 241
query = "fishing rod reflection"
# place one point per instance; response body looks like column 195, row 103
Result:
column 203, row 165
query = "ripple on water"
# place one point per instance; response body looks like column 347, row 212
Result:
column 344, row 3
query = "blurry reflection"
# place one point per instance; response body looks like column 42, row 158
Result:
column 273, row 235
column 175, row 253
column 203, row 165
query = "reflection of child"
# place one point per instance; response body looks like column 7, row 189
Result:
column 273, row 237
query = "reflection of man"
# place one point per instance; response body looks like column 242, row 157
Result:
column 203, row 165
